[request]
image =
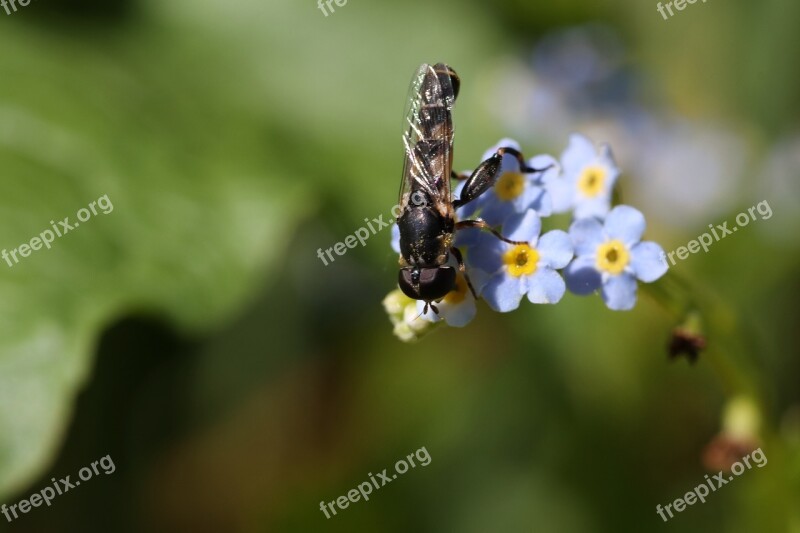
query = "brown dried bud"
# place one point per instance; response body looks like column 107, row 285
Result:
column 726, row 449
column 685, row 342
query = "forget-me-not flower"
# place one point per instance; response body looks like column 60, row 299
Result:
column 602, row 252
column 609, row 256
column 517, row 270
column 588, row 179
column 515, row 191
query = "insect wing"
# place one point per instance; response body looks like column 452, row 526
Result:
column 428, row 137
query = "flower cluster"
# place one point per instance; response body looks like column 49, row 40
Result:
column 601, row 252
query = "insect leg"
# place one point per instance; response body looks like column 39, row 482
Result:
column 481, row 179
column 522, row 165
column 425, row 309
column 481, row 224
column 486, row 174
column 463, row 269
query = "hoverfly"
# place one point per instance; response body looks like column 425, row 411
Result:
column 427, row 220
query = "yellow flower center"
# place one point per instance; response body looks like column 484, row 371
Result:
column 458, row 294
column 591, row 180
column 509, row 185
column 521, row 260
column 612, row 257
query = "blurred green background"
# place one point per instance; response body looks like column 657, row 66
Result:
column 194, row 336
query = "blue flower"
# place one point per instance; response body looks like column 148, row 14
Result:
column 610, row 256
column 515, row 191
column 517, row 270
column 587, row 182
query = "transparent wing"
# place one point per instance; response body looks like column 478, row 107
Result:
column 428, row 136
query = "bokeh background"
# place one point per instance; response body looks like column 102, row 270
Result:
column 193, row 335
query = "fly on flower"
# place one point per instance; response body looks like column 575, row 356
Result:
column 427, row 222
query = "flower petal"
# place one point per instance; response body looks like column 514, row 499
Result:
column 586, row 234
column 582, row 277
column 430, row 316
column 460, row 314
column 596, row 207
column 648, row 261
column 619, row 292
column 607, row 158
column 396, row 237
column 546, row 287
column 555, row 249
column 523, row 227
column 536, row 198
column 542, row 162
column 578, row 153
column 543, row 204
column 414, row 317
column 626, row 224
column 510, row 163
column 502, row 293
column 486, row 253
column 495, row 211
column 479, row 278
column 467, row 238
column 562, row 194
column 505, row 141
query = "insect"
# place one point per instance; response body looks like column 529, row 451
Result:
column 427, row 220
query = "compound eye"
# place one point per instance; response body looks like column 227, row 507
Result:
column 407, row 285
column 435, row 283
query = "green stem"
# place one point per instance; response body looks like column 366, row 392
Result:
column 729, row 350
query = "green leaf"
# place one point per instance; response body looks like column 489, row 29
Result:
column 196, row 215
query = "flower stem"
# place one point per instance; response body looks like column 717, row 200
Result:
column 730, row 350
